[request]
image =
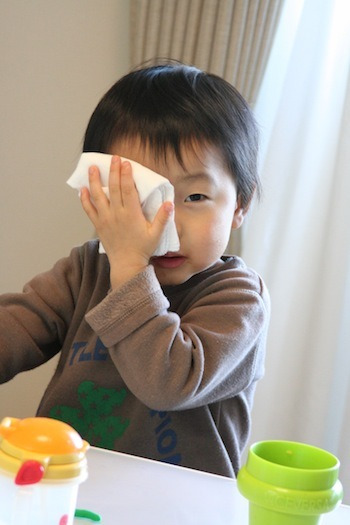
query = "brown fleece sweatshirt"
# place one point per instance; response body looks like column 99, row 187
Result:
column 164, row 373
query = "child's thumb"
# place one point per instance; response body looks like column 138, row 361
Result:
column 164, row 214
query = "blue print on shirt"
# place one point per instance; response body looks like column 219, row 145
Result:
column 80, row 352
column 166, row 438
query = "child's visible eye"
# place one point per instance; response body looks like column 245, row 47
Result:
column 195, row 197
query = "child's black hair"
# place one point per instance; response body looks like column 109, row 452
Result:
column 171, row 105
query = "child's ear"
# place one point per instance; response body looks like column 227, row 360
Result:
column 238, row 216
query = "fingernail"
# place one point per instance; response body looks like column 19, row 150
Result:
column 169, row 207
column 126, row 164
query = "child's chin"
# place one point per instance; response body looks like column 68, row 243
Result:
column 171, row 278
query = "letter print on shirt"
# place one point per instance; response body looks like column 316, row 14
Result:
column 166, row 438
column 95, row 421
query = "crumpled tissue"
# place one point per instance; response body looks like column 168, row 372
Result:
column 153, row 190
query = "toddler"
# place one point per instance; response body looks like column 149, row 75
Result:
column 159, row 355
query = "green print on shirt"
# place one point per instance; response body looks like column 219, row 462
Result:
column 94, row 421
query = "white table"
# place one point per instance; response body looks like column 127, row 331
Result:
column 127, row 490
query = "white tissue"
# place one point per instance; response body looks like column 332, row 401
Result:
column 153, row 190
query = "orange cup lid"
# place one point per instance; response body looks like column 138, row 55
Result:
column 51, row 442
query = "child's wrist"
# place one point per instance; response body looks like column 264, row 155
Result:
column 122, row 275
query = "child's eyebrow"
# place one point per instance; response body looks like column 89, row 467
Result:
column 197, row 177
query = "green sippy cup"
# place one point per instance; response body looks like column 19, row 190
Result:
column 289, row 483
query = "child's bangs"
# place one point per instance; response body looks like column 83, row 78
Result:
column 162, row 136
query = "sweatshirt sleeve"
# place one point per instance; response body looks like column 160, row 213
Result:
column 33, row 324
column 213, row 352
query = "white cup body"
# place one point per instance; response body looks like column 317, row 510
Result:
column 43, row 503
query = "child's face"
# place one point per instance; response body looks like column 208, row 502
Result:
column 206, row 207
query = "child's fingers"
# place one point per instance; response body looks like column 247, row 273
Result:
column 128, row 191
column 96, row 191
column 164, row 214
column 88, row 207
column 114, row 180
column 122, row 190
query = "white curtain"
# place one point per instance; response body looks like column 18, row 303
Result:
column 298, row 238
column 231, row 38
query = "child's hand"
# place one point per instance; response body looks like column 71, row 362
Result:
column 128, row 238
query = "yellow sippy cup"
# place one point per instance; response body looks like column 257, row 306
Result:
column 42, row 463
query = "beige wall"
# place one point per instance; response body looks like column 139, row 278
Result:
column 57, row 59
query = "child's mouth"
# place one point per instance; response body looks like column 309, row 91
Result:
column 169, row 260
